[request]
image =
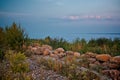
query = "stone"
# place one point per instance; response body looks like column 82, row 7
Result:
column 113, row 66
column 103, row 57
column 76, row 54
column 55, row 52
column 90, row 54
column 105, row 65
column 115, row 59
column 97, row 63
column 69, row 53
column 46, row 52
column 38, row 51
column 53, row 55
column 60, row 50
column 61, row 55
column 114, row 74
column 93, row 66
column 47, row 47
column 91, row 60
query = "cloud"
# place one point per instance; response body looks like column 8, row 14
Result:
column 87, row 17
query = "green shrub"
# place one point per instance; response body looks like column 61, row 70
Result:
column 15, row 37
column 17, row 66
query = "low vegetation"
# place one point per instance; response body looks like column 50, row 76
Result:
column 99, row 46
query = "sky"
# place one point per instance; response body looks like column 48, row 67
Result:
column 57, row 17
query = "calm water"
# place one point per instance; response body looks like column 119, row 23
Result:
column 72, row 36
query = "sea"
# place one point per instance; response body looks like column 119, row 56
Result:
column 72, row 36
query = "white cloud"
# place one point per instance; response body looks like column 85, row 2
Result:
column 86, row 17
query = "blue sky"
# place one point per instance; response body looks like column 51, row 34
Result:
column 50, row 17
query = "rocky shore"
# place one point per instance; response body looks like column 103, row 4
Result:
column 105, row 66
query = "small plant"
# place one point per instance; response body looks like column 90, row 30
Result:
column 17, row 65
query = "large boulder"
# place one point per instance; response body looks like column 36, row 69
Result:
column 38, row 51
column 103, row 57
column 61, row 55
column 69, row 53
column 53, row 55
column 90, row 54
column 59, row 50
column 47, row 47
column 91, row 60
column 46, row 52
column 76, row 54
column 115, row 59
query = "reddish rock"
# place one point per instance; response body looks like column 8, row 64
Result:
column 90, row 54
column 61, row 55
column 114, row 66
column 115, row 59
column 46, row 52
column 97, row 63
column 114, row 74
column 69, row 53
column 105, row 65
column 47, row 47
column 91, row 60
column 60, row 50
column 103, row 57
column 53, row 55
column 76, row 54
column 55, row 52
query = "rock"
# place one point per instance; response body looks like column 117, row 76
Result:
column 113, row 66
column 47, row 47
column 55, row 52
column 105, row 65
column 29, row 47
column 53, row 55
column 97, row 63
column 46, row 52
column 61, row 55
column 91, row 60
column 90, row 54
column 103, row 57
column 69, row 53
column 93, row 66
column 60, row 50
column 76, row 54
column 38, row 51
column 115, row 59
column 114, row 74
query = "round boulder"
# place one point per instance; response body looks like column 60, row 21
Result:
column 47, row 47
column 103, row 57
column 46, row 52
column 115, row 59
column 76, row 54
column 69, row 53
column 60, row 50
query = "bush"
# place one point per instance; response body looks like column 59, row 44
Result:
column 15, row 37
column 16, row 67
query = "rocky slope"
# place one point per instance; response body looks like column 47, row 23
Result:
column 104, row 66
